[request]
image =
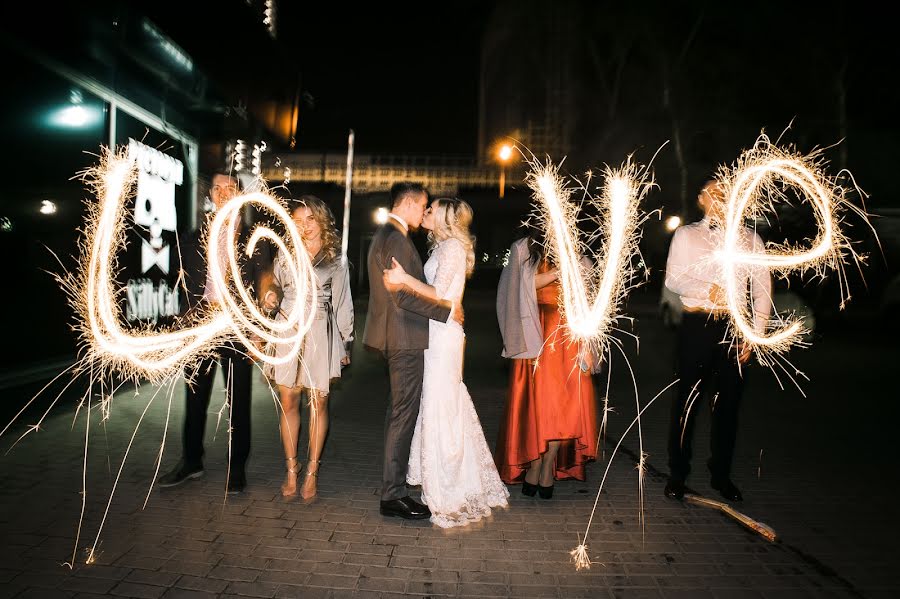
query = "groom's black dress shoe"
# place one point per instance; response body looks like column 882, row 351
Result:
column 405, row 507
column 727, row 489
column 674, row 489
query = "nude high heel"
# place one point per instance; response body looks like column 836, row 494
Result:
column 293, row 467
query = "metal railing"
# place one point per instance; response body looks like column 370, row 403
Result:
column 373, row 173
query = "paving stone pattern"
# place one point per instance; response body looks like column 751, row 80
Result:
column 193, row 541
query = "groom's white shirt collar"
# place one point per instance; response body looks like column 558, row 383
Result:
column 399, row 220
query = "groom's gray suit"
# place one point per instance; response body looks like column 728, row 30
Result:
column 397, row 326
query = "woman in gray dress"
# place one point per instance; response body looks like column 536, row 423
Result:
column 326, row 346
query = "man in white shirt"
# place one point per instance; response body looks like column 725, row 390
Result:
column 708, row 360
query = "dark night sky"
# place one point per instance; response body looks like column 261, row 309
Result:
column 407, row 81
column 405, row 77
column 404, row 80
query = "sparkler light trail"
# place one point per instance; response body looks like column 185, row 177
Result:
column 593, row 284
column 580, row 553
column 111, row 352
column 762, row 177
column 159, row 355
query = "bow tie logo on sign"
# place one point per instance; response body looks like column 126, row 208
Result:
column 154, row 208
column 151, row 295
column 151, row 257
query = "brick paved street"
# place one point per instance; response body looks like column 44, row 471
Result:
column 817, row 469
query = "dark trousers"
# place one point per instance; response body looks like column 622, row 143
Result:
column 702, row 354
column 405, row 368
column 236, row 372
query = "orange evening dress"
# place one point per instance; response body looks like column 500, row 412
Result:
column 553, row 400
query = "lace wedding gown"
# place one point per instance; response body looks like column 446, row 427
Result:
column 449, row 456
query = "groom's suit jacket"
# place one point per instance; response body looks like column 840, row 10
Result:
column 398, row 320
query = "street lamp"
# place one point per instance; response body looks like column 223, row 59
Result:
column 504, row 154
column 47, row 207
column 76, row 114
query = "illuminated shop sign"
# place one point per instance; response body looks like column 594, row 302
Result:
column 149, row 296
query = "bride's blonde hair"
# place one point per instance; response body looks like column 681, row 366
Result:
column 452, row 218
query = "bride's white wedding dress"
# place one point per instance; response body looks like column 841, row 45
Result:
column 449, row 456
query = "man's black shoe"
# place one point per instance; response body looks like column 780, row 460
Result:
column 405, row 507
column 674, row 489
column 237, row 482
column 727, row 489
column 180, row 474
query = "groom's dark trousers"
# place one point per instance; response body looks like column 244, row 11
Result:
column 397, row 326
column 406, row 368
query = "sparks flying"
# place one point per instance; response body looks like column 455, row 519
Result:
column 762, row 177
column 159, row 355
column 593, row 283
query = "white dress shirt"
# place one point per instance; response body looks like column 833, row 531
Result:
column 402, row 222
column 210, row 291
column 692, row 269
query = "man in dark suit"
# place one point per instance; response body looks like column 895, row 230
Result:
column 397, row 326
column 201, row 295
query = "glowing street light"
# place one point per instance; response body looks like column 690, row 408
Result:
column 47, row 207
column 76, row 114
column 504, row 154
column 672, row 223
column 380, row 216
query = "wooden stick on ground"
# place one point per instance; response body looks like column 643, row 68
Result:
column 754, row 525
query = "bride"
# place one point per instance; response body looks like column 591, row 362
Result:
column 449, row 456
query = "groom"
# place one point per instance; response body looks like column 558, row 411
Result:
column 397, row 326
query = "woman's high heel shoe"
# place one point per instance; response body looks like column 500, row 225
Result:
column 528, row 488
column 545, row 492
column 315, row 477
column 293, row 467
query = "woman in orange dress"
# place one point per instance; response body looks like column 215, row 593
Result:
column 549, row 430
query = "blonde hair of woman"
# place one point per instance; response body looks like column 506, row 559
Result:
column 452, row 219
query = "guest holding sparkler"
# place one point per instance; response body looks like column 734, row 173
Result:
column 201, row 296
column 708, row 361
column 326, row 347
column 549, row 430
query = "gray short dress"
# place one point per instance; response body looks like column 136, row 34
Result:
column 331, row 334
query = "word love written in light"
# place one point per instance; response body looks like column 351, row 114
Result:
column 760, row 178
column 158, row 355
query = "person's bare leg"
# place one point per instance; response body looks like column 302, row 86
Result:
column 290, row 432
column 318, row 430
column 548, row 464
column 533, row 474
